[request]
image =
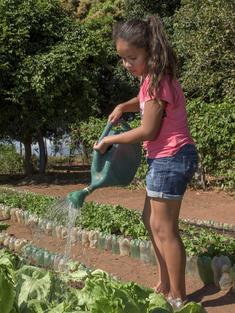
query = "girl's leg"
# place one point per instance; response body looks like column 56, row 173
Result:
column 163, row 285
column 163, row 224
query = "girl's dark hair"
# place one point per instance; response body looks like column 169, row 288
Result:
column 150, row 35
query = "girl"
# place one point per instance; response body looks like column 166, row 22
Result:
column 170, row 150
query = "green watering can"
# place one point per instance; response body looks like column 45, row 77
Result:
column 116, row 167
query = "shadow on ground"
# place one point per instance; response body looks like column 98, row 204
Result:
column 57, row 175
column 209, row 290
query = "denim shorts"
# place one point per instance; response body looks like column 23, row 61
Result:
column 168, row 177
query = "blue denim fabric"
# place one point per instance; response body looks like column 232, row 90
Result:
column 168, row 177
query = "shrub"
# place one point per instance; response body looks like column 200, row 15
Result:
column 10, row 161
column 212, row 127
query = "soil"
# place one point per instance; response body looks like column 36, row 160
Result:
column 205, row 205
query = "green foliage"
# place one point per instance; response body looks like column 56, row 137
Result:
column 104, row 295
column 200, row 242
column 26, row 201
column 10, row 161
column 3, row 226
column 50, row 67
column 38, row 290
column 203, row 36
column 7, row 282
column 98, row 13
column 87, row 132
column 112, row 219
column 141, row 8
column 212, row 127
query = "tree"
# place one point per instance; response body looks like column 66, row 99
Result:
column 141, row 8
column 49, row 67
column 204, row 39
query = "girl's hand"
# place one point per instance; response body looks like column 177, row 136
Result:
column 116, row 114
column 102, row 146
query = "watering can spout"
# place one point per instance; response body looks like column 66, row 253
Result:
column 77, row 197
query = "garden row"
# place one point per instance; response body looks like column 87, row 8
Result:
column 210, row 256
column 32, row 289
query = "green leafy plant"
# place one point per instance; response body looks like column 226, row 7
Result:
column 3, row 226
column 202, row 38
column 7, row 282
column 210, row 124
column 10, row 161
column 31, row 289
column 26, row 201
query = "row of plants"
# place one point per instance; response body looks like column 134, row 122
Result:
column 198, row 240
column 26, row 288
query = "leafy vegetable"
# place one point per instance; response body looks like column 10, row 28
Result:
column 103, row 295
column 39, row 290
column 33, row 283
column 7, row 282
column 158, row 303
column 36, row 290
column 192, row 307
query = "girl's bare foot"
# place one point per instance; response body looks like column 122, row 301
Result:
column 162, row 288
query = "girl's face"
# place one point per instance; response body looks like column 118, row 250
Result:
column 134, row 59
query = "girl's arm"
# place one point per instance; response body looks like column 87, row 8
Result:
column 129, row 106
column 148, row 130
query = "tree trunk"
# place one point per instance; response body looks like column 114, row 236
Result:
column 21, row 151
column 43, row 154
column 28, row 156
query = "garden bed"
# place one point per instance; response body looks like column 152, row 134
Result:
column 123, row 268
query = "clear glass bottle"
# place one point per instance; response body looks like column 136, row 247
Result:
column 124, row 245
column 85, row 238
column 11, row 243
column 145, row 252
column 93, row 238
column 108, row 242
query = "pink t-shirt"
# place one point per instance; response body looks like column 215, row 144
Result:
column 174, row 132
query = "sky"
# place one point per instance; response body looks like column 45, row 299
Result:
column 63, row 148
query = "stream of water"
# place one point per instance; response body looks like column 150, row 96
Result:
column 61, row 212
column 73, row 213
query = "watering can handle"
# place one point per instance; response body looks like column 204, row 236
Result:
column 108, row 127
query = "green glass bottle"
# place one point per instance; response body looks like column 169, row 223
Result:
column 27, row 250
column 115, row 244
column 205, row 270
column 135, row 248
column 48, row 259
column 101, row 240
column 39, row 257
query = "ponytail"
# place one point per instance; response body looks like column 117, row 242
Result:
column 162, row 59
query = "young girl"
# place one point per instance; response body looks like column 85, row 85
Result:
column 170, row 150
